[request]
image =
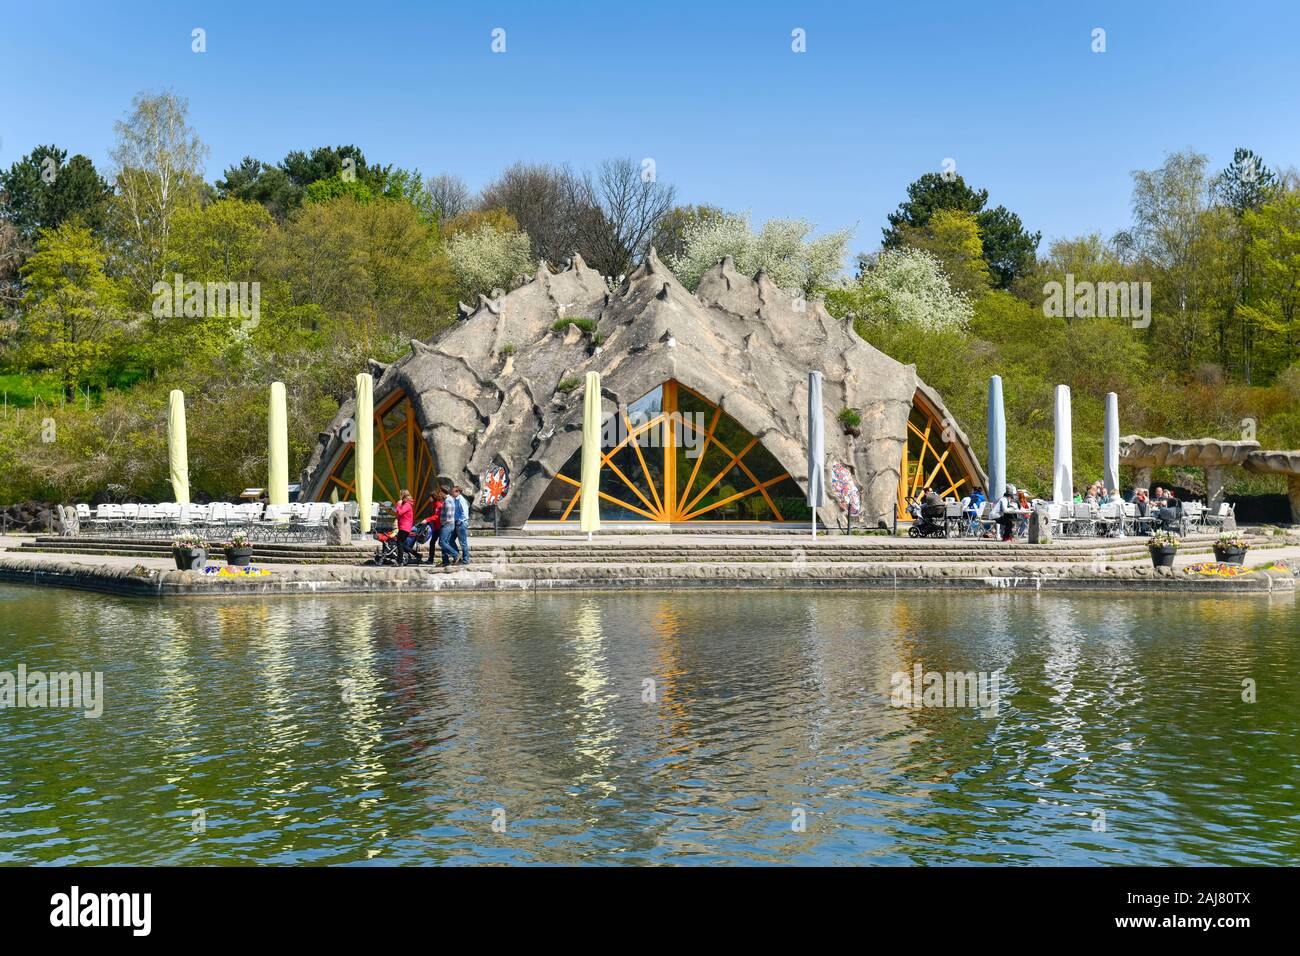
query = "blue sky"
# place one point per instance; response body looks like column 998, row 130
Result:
column 710, row 90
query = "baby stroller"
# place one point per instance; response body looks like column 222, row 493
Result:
column 927, row 520
column 390, row 550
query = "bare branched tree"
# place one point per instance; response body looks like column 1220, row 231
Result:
column 449, row 194
column 548, row 202
column 632, row 203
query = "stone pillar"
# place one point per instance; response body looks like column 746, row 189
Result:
column 1293, row 493
column 1142, row 477
column 1213, row 488
column 1040, row 529
column 339, row 530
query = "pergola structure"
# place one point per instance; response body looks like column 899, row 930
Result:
column 1214, row 455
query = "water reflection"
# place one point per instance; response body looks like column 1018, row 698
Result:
column 654, row 728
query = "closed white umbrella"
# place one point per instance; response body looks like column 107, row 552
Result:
column 363, row 452
column 997, row 433
column 277, row 485
column 1063, row 463
column 816, row 448
column 1110, row 467
column 178, row 465
column 589, row 500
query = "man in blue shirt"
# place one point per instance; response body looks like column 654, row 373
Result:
column 447, row 532
column 462, row 524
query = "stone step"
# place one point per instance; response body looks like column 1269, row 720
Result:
column 575, row 556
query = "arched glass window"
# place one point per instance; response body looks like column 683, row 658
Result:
column 673, row 455
column 402, row 459
column 929, row 460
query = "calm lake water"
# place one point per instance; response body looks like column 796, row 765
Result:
column 400, row 730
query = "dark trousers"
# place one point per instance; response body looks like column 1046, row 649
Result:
column 1007, row 523
column 406, row 547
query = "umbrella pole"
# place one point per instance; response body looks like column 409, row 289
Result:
column 814, row 514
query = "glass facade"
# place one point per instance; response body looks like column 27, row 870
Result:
column 931, row 461
column 402, row 459
column 672, row 455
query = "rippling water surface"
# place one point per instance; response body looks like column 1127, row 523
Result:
column 400, row 729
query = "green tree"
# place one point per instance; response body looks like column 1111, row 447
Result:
column 44, row 189
column 367, row 277
column 1243, row 187
column 255, row 181
column 953, row 237
column 1009, row 248
column 336, row 187
column 1274, row 249
column 71, row 307
column 160, row 172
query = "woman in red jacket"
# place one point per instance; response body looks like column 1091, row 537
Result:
column 405, row 511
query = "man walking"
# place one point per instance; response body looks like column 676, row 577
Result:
column 447, row 532
column 462, row 524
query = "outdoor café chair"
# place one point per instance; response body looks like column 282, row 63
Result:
column 952, row 518
column 1085, row 520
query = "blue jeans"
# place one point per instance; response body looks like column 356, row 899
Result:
column 445, row 534
column 462, row 538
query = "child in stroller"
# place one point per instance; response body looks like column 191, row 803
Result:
column 927, row 519
column 391, row 551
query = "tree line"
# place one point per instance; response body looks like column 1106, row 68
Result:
column 107, row 278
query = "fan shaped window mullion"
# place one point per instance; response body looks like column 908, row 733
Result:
column 649, row 475
column 929, row 461
column 402, row 458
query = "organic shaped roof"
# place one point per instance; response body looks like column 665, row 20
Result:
column 488, row 390
column 1189, row 452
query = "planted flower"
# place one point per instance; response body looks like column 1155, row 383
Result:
column 190, row 552
column 1164, row 548
column 1231, row 547
column 239, row 552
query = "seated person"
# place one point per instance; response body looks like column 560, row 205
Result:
column 1004, row 513
column 972, row 507
column 1169, row 513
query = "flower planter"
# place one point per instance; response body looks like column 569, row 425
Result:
column 190, row 559
column 239, row 557
column 1163, row 557
column 1230, row 555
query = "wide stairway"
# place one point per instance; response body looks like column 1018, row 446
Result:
column 626, row 550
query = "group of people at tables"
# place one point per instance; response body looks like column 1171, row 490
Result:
column 1012, row 510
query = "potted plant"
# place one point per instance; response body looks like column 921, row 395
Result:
column 1231, row 548
column 1163, row 546
column 850, row 421
column 190, row 552
column 239, row 550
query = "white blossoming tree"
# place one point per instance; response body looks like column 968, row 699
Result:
column 781, row 247
column 904, row 285
column 486, row 258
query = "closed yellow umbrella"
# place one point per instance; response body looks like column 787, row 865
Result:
column 277, row 489
column 178, row 465
column 589, row 517
column 363, row 454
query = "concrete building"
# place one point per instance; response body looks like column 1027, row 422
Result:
column 705, row 395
